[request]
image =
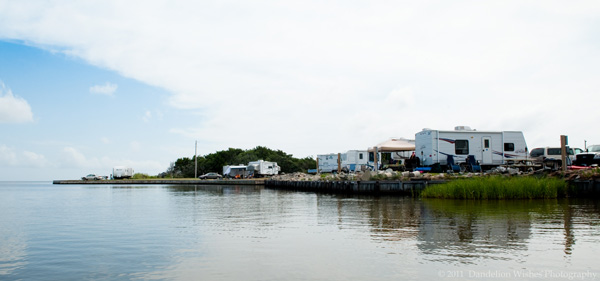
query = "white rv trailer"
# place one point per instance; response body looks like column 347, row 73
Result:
column 355, row 160
column 122, row 172
column 327, row 163
column 234, row 171
column 490, row 148
column 263, row 168
column 351, row 161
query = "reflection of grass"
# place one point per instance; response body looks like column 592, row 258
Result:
column 497, row 187
column 518, row 209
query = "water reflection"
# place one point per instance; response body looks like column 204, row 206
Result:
column 13, row 248
column 427, row 231
column 248, row 232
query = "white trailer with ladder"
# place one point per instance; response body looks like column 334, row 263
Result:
column 489, row 148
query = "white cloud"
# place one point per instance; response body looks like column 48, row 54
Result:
column 147, row 116
column 13, row 109
column 135, row 146
column 106, row 89
column 12, row 157
column 327, row 76
column 72, row 157
column 33, row 159
column 105, row 140
column 8, row 156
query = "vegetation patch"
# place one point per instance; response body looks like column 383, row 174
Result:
column 214, row 162
column 498, row 187
column 140, row 176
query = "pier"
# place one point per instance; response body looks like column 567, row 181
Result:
column 577, row 188
column 584, row 188
column 164, row 181
column 357, row 187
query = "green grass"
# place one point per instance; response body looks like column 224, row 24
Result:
column 498, row 187
column 140, row 176
column 591, row 173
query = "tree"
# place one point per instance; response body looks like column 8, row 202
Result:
column 214, row 162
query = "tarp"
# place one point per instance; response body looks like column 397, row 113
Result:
column 228, row 169
column 394, row 144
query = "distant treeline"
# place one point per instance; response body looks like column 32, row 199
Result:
column 214, row 162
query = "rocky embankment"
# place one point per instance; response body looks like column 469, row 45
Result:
column 587, row 174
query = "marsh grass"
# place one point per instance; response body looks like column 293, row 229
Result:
column 498, row 187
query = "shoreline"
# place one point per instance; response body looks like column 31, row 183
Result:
column 163, row 181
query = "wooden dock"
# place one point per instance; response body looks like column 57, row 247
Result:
column 357, row 187
column 164, row 181
column 584, row 188
column 578, row 188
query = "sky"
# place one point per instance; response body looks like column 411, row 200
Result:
column 89, row 85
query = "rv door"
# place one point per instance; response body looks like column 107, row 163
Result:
column 486, row 146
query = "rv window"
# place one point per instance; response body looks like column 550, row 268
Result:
column 360, row 156
column 486, row 143
column 371, row 157
column 509, row 146
column 536, row 152
column 554, row 151
column 461, row 147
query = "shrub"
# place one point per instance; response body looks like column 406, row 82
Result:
column 498, row 187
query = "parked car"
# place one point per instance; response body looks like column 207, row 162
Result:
column 550, row 157
column 92, row 177
column 210, row 176
column 590, row 157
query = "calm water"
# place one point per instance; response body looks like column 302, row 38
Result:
column 82, row 232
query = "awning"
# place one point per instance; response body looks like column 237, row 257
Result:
column 394, row 144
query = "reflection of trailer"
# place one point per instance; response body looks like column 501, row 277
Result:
column 263, row 168
column 488, row 148
column 121, row 172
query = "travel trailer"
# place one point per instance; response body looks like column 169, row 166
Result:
column 351, row 161
column 235, row 171
column 489, row 148
column 263, row 168
column 328, row 163
column 121, row 172
column 355, row 160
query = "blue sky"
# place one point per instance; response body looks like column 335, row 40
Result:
column 90, row 85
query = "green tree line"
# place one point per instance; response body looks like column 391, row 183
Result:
column 214, row 162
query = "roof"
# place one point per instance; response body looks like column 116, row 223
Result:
column 395, row 144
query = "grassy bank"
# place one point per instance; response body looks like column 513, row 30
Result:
column 498, row 187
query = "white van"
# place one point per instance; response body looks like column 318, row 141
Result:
column 551, row 156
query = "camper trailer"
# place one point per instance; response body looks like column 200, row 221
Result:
column 351, row 161
column 328, row 163
column 121, row 172
column 355, row 160
column 263, row 168
column 487, row 147
column 234, row 171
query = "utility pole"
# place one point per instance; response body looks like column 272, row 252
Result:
column 196, row 160
column 564, row 141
